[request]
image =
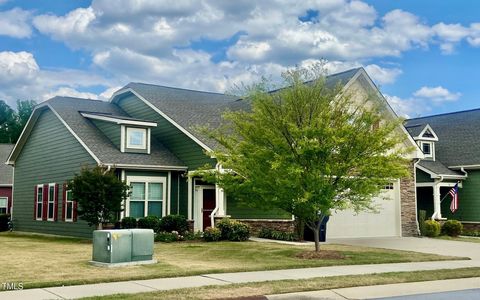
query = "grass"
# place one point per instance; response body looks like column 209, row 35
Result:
column 40, row 261
column 289, row 286
column 460, row 238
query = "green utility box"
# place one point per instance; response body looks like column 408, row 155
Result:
column 123, row 246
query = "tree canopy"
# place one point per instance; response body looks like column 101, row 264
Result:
column 12, row 122
column 99, row 193
column 308, row 149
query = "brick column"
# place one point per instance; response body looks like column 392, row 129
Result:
column 408, row 204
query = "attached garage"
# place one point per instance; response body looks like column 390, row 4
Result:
column 384, row 223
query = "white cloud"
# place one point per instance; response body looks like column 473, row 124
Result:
column 407, row 107
column 70, row 92
column 383, row 75
column 15, row 23
column 22, row 78
column 438, row 94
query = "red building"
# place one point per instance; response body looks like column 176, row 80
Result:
column 6, row 180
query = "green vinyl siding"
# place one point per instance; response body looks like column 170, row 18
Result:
column 423, row 176
column 170, row 136
column 50, row 155
column 110, row 130
column 239, row 210
column 468, row 199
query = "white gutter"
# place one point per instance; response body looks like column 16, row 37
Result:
column 416, row 203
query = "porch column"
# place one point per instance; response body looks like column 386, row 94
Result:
column 220, row 200
column 190, row 198
column 437, row 211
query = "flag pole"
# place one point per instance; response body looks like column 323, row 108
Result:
column 447, row 194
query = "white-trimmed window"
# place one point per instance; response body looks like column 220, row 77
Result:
column 427, row 149
column 51, row 202
column 39, row 202
column 147, row 198
column 137, row 138
column 3, row 205
column 69, row 206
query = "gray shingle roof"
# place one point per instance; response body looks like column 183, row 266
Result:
column 438, row 168
column 6, row 171
column 458, row 136
column 191, row 109
column 69, row 110
column 415, row 130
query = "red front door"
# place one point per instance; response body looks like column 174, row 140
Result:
column 208, row 206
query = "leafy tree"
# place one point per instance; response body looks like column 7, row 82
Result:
column 99, row 193
column 308, row 149
column 12, row 122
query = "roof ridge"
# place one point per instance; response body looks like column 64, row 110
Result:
column 74, row 98
column 178, row 88
column 445, row 114
column 346, row 71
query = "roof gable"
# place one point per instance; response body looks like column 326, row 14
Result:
column 6, row 171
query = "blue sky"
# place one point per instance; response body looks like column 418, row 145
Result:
column 422, row 54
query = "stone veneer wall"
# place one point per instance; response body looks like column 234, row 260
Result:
column 280, row 225
column 470, row 226
column 408, row 204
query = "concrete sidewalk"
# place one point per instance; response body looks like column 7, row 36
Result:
column 387, row 290
column 163, row 284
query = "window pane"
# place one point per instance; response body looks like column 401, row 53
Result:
column 138, row 191
column 3, row 211
column 50, row 210
column 136, row 138
column 39, row 210
column 69, row 195
column 51, row 192
column 69, row 210
column 155, row 191
column 3, row 202
column 155, row 208
column 137, row 209
column 39, row 194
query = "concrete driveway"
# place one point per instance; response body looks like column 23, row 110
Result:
column 426, row 245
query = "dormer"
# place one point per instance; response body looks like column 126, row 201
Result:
column 426, row 141
column 128, row 134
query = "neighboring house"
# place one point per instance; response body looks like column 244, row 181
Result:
column 6, row 180
column 149, row 133
column 450, row 143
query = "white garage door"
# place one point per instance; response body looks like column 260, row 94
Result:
column 347, row 224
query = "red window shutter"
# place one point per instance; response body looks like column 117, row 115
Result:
column 35, row 203
column 45, row 202
column 75, row 207
column 64, row 201
column 9, row 205
column 55, row 209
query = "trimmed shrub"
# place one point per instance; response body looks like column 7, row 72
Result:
column 4, row 219
column 432, row 228
column 149, row 222
column 474, row 233
column 233, row 230
column 167, row 237
column 422, row 214
column 193, row 236
column 268, row 233
column 452, row 228
column 173, row 223
column 212, row 234
column 129, row 222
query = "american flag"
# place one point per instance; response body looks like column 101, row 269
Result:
column 454, row 193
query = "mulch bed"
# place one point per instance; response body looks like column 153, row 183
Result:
column 322, row 254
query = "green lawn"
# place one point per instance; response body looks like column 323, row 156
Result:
column 290, row 286
column 460, row 239
column 40, row 261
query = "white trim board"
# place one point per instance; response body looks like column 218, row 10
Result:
column 182, row 129
column 119, row 121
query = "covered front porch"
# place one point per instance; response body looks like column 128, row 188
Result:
column 434, row 198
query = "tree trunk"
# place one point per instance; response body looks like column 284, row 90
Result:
column 316, row 236
column 299, row 228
